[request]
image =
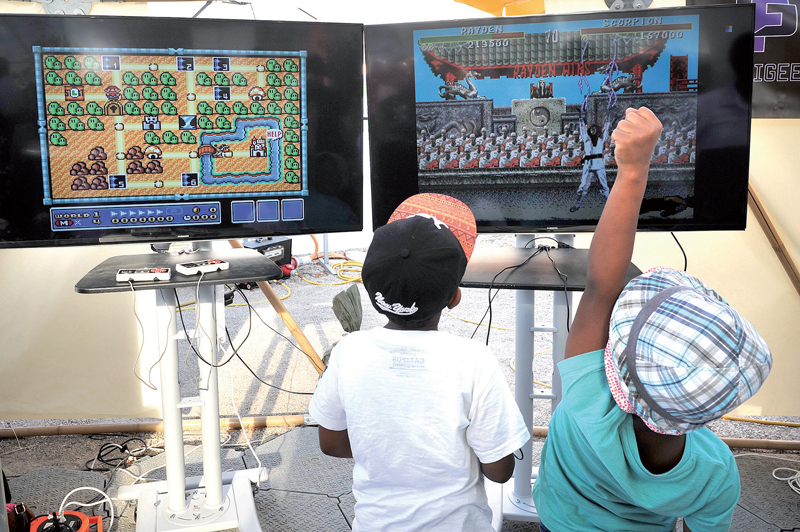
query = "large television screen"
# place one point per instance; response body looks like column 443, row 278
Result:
column 148, row 130
column 514, row 115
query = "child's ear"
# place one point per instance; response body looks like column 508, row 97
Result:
column 456, row 299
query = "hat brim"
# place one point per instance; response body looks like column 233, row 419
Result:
column 450, row 211
column 674, row 344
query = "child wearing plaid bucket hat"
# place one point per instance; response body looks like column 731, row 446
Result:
column 424, row 414
column 627, row 447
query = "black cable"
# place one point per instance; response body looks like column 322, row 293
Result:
column 484, row 315
column 106, row 450
column 521, row 454
column 154, row 249
column 276, row 332
column 111, row 476
column 191, row 343
column 491, row 285
column 685, row 259
column 560, row 244
column 114, row 462
column 307, row 13
column 259, row 378
column 563, row 277
column 235, row 349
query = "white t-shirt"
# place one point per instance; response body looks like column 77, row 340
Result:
column 421, row 408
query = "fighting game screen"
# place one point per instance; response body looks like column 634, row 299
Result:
column 152, row 143
column 514, row 116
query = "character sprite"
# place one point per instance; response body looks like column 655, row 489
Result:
column 594, row 166
column 113, row 92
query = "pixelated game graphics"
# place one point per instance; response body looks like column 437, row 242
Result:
column 528, row 108
column 130, row 124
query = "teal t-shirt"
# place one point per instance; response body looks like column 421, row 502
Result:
column 591, row 477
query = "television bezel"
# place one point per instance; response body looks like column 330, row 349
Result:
column 391, row 105
column 335, row 106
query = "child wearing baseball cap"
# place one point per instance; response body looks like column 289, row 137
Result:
column 424, row 414
column 627, row 447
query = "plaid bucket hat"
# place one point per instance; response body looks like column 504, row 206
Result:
column 678, row 355
column 416, row 261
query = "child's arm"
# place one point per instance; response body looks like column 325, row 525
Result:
column 335, row 443
column 612, row 245
column 499, row 471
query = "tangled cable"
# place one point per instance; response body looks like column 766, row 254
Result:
column 124, row 455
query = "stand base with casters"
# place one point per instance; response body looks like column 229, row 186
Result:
column 237, row 510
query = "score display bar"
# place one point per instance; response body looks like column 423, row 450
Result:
column 108, row 217
column 638, row 29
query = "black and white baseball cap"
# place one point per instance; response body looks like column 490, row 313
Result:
column 415, row 262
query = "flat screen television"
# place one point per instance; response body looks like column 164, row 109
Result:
column 123, row 129
column 510, row 115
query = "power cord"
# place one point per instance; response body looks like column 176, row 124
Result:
column 185, row 454
column 191, row 340
column 491, row 285
column 236, row 349
column 141, row 345
column 298, row 348
column 563, row 277
column 539, row 249
column 127, row 455
column 685, row 259
column 236, row 354
column 106, row 498
column 559, row 243
column 479, row 323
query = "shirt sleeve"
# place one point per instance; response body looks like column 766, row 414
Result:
column 496, row 426
column 326, row 403
column 716, row 514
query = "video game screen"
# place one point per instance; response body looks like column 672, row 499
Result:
column 161, row 130
column 514, row 115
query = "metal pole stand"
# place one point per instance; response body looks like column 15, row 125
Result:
column 326, row 263
column 513, row 500
column 199, row 504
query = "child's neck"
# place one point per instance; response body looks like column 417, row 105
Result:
column 431, row 324
column 659, row 453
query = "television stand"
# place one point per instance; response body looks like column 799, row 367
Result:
column 538, row 274
column 214, row 501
